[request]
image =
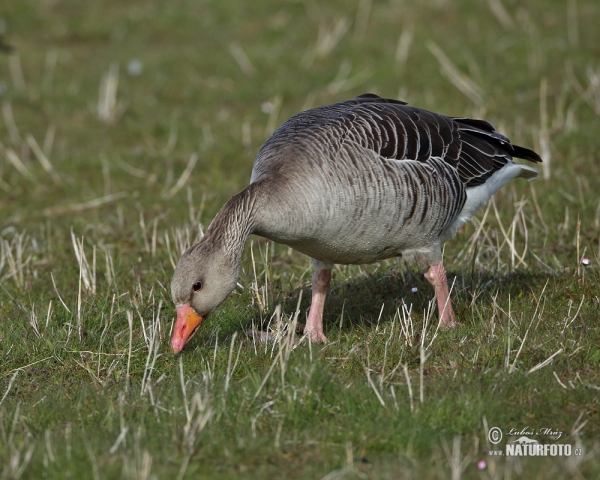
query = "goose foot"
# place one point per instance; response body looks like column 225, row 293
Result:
column 320, row 286
column 436, row 275
column 317, row 336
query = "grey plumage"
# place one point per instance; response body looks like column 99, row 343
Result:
column 370, row 178
column 360, row 181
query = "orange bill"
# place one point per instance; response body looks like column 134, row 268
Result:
column 186, row 326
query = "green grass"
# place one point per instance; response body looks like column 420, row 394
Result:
column 88, row 388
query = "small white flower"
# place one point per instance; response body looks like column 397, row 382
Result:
column 267, row 107
column 414, row 289
column 585, row 261
column 134, row 67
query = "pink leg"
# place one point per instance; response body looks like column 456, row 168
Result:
column 320, row 286
column 437, row 277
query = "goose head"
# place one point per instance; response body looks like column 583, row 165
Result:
column 203, row 279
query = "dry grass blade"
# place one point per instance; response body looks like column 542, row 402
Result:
column 18, row 464
column 172, row 140
column 533, row 318
column 409, row 386
column 461, row 81
column 16, row 72
column 285, row 342
column 24, row 367
column 182, row 240
column 272, row 108
column 58, row 294
column 16, row 262
column 49, row 140
column 363, row 13
column 592, row 94
column 403, row 48
column 373, row 387
column 43, row 159
column 509, row 235
column 153, row 340
column 11, row 126
column 241, row 58
column 50, row 62
column 136, row 172
column 501, row 14
column 406, row 323
column 559, row 381
column 18, row 163
column 80, row 207
column 572, row 23
column 570, row 319
column 231, row 369
column 261, row 294
column 10, row 384
column 422, row 359
column 328, row 37
column 545, row 362
column 457, row 466
column 120, row 440
column 107, row 98
column 544, row 132
column 33, row 321
column 198, row 414
column 130, row 324
column 185, row 175
column 87, row 273
column 344, row 82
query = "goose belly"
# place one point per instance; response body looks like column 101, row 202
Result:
column 369, row 248
column 361, row 210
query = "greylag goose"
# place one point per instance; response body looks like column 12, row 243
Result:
column 351, row 183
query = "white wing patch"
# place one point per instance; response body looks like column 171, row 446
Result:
column 478, row 196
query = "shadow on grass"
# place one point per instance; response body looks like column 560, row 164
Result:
column 360, row 301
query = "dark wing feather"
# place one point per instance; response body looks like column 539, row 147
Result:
column 398, row 131
column 484, row 151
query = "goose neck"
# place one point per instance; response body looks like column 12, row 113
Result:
column 234, row 223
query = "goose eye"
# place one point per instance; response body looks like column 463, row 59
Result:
column 197, row 286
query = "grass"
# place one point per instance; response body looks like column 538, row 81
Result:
column 126, row 126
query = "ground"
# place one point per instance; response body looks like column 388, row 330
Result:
column 124, row 128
